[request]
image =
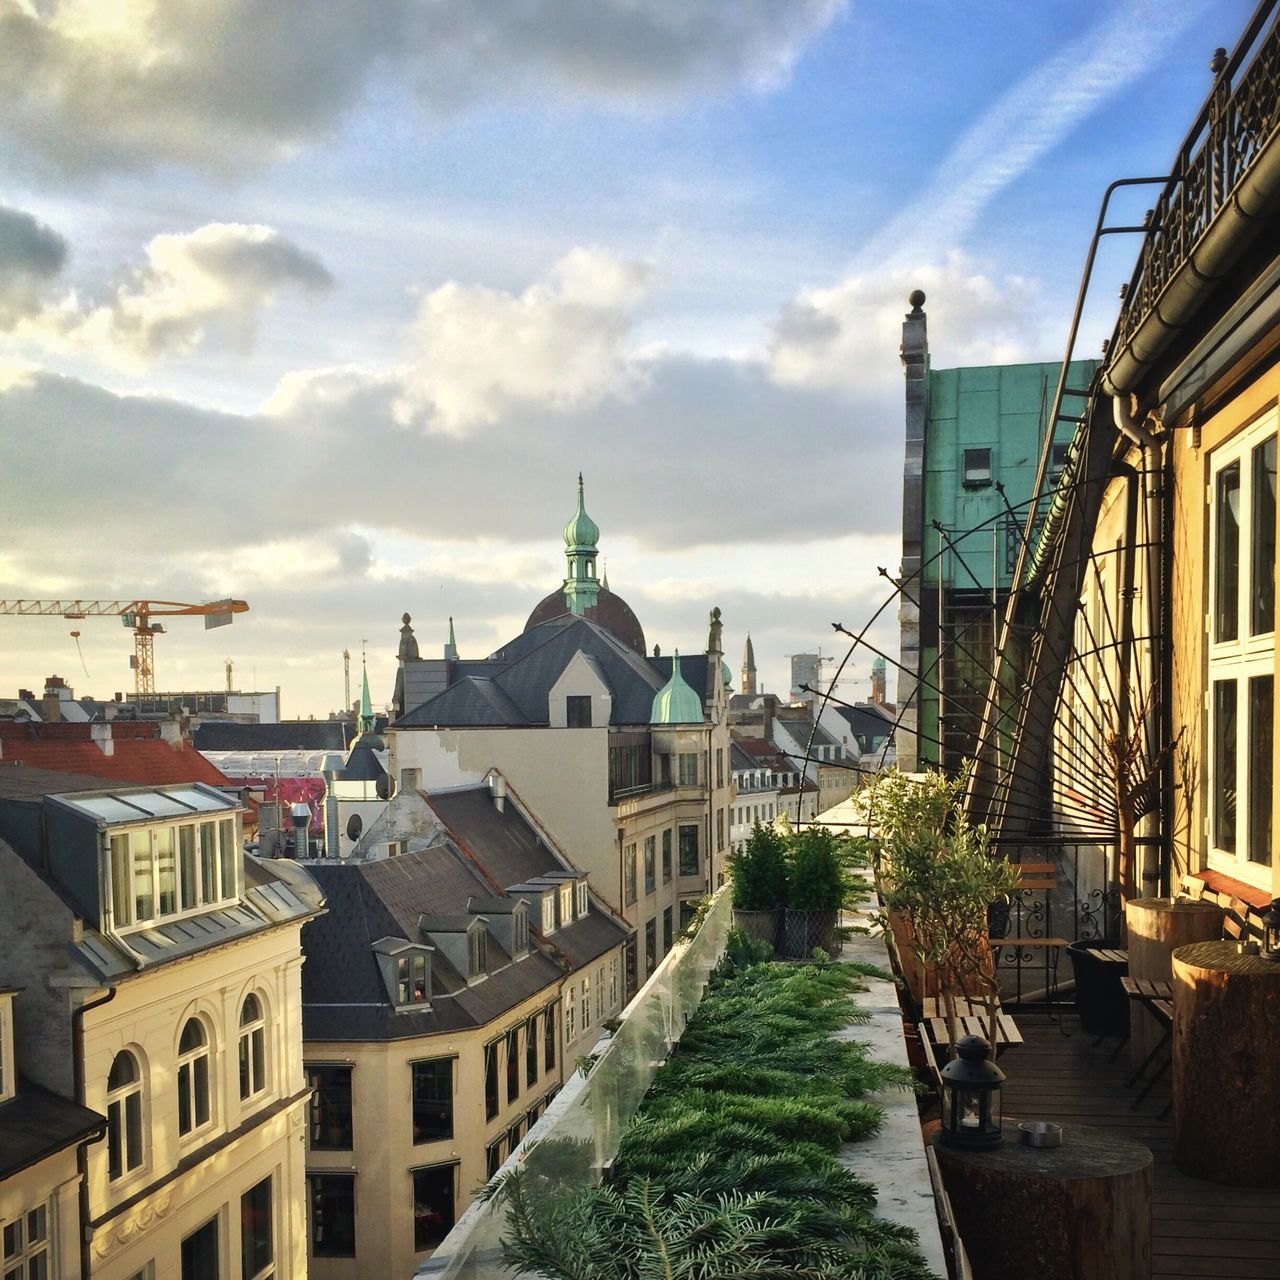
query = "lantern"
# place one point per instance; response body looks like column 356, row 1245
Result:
column 1271, row 931
column 971, row 1096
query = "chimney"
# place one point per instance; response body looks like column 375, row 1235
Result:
column 100, row 736
column 498, row 790
column 50, row 711
column 171, row 732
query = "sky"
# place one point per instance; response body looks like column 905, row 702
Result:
column 325, row 307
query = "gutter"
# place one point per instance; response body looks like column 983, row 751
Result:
column 1232, row 230
column 82, row 1154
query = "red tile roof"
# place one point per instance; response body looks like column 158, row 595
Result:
column 139, row 754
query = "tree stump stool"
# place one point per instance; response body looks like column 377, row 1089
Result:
column 1226, row 1065
column 1081, row 1211
column 1157, row 927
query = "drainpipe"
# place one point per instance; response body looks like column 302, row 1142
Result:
column 82, row 1153
column 1153, row 452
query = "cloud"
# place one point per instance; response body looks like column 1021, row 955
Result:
column 31, row 256
column 480, row 351
column 96, row 84
column 218, row 278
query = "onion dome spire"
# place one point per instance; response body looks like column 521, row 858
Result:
column 676, row 702
column 581, row 534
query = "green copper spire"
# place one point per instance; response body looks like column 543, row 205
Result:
column 451, row 645
column 676, row 702
column 581, row 588
column 366, row 707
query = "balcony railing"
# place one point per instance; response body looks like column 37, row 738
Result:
column 1233, row 125
column 578, row 1137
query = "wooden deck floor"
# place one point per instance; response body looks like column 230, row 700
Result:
column 1201, row 1229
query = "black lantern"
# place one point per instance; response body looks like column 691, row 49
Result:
column 1271, row 931
column 971, row 1096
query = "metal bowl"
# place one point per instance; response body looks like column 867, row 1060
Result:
column 1041, row 1133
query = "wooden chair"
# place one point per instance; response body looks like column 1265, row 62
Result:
column 1157, row 997
column 1028, row 925
column 972, row 1017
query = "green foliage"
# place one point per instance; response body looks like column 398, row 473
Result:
column 744, row 949
column 730, row 1169
column 816, row 877
column 758, row 871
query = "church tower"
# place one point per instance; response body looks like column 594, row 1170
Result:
column 581, row 535
column 749, row 668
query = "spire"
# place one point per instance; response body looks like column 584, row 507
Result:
column 604, row 574
column 366, row 707
column 749, row 668
column 676, row 702
column 581, row 534
column 451, row 645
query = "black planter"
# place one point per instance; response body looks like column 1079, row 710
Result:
column 1100, row 999
column 803, row 932
column 764, row 925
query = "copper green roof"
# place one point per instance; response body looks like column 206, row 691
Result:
column 676, row 702
column 582, row 531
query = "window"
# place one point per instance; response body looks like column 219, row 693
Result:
column 331, row 1123
column 688, row 765
column 570, row 1016
column 689, row 850
column 548, row 913
column 209, row 861
column 650, row 947
column 166, row 869
column 200, row 1253
column 666, row 855
column 719, row 766
column 613, row 982
column 28, row 1253
column 719, row 830
column 586, row 1001
column 477, row 953
column 1058, row 458
column 1241, row 707
column 158, row 872
column 577, row 711
column 124, row 1116
column 688, row 910
column 257, row 1247
column 514, row 1134
column 228, row 855
column 566, row 903
column 411, row 978
column 975, row 468
column 492, row 1158
column 549, row 1037
column 519, row 932
column 432, row 1099
column 513, row 1064
column 491, row 1080
column 187, row 876
column 193, row 1077
column 253, row 1048
column 650, row 859
column 8, row 1079
column 600, row 994
column 531, row 1052
column 629, row 875
column 333, row 1215
column 582, row 898
column 433, row 1205
column 666, row 931
column 629, row 976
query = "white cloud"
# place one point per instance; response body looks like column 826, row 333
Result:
column 94, row 84
column 560, row 343
column 218, row 278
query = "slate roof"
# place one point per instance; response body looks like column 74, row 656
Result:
column 511, row 687
column 478, row 855
column 36, row 1124
column 288, row 735
column 610, row 611
column 869, row 725
column 800, row 727
column 18, row 782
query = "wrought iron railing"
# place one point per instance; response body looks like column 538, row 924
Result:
column 1083, row 906
column 1235, row 122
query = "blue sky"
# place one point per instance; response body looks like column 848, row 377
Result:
column 328, row 313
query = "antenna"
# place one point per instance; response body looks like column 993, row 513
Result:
column 346, row 679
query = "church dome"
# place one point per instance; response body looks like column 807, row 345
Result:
column 610, row 611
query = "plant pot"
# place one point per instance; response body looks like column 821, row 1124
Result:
column 805, row 931
column 1100, row 999
column 763, row 925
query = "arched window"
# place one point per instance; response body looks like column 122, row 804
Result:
column 193, row 1077
column 124, row 1116
column 253, row 1048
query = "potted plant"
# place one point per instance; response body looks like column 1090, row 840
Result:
column 815, row 893
column 938, row 879
column 758, row 876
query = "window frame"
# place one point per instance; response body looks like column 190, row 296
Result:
column 683, row 862
column 1242, row 661
column 125, row 1116
column 26, row 1247
column 314, row 1189
column 419, row 1069
column 267, row 1270
column 251, row 1049
column 322, row 1109
column 190, row 1062
column 421, row 1243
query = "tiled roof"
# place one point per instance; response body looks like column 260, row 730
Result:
column 148, row 762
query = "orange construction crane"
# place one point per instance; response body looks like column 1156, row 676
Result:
column 136, row 615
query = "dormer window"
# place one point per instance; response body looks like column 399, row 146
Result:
column 582, row 898
column 548, row 913
column 411, row 978
column 477, row 953
column 519, row 932
column 7, row 1081
column 566, row 904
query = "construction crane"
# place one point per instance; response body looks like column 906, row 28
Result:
column 137, row 616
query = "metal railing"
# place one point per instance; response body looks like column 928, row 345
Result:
column 1232, row 127
column 576, row 1140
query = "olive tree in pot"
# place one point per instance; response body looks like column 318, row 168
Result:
column 758, row 875
column 936, row 874
column 815, row 893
